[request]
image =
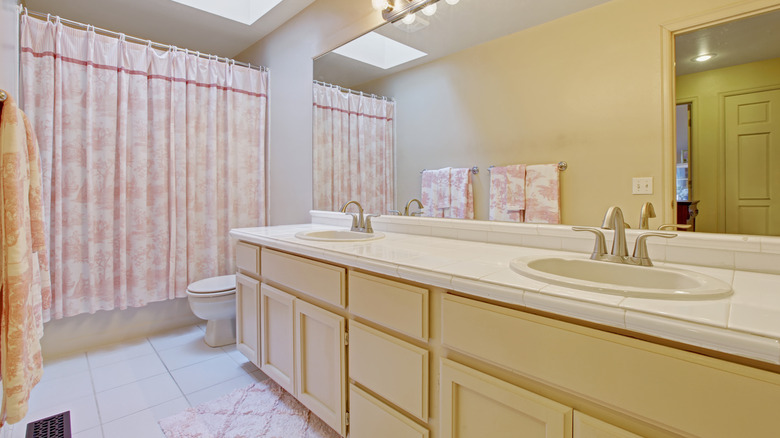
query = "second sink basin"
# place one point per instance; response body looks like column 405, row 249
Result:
column 338, row 236
column 622, row 279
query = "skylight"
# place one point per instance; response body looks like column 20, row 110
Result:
column 242, row 11
column 379, row 51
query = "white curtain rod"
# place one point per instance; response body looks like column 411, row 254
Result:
column 348, row 90
column 111, row 33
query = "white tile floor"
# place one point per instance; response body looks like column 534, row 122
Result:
column 122, row 390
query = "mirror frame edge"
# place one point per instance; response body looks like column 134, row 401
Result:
column 668, row 32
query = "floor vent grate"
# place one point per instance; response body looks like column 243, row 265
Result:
column 56, row 426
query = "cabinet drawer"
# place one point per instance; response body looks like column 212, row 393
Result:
column 398, row 306
column 248, row 258
column 370, row 418
column 320, row 280
column 394, row 369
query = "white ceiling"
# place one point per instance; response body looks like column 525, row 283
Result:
column 737, row 42
column 168, row 22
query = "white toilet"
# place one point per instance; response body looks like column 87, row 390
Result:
column 214, row 299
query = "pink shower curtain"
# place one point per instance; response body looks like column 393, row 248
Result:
column 149, row 159
column 354, row 142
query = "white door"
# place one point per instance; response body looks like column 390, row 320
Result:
column 752, row 163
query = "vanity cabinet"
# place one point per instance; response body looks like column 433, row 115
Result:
column 476, row 405
column 248, row 301
column 302, row 345
column 420, row 362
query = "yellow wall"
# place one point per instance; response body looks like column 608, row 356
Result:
column 586, row 89
column 706, row 91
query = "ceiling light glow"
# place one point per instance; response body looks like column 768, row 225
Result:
column 703, row 57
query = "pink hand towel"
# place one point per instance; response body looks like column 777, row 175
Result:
column 428, row 194
column 515, row 187
column 542, row 194
column 462, row 195
column 498, row 186
column 443, row 187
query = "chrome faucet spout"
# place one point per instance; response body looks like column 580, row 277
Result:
column 644, row 216
column 358, row 223
column 613, row 220
column 409, row 204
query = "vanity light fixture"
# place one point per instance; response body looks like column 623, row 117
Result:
column 396, row 10
column 452, row 2
column 703, row 57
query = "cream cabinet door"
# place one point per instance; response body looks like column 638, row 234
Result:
column 370, row 418
column 586, row 426
column 247, row 316
column 320, row 377
column 474, row 404
column 276, row 336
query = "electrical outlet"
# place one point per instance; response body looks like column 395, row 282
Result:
column 642, row 186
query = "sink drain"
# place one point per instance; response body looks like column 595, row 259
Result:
column 56, row 426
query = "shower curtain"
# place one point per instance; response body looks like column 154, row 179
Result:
column 149, row 158
column 353, row 150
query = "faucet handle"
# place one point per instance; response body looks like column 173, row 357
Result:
column 369, row 228
column 394, row 212
column 600, row 247
column 640, row 248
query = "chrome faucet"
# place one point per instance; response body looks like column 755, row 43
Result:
column 357, row 219
column 613, row 220
column 644, row 216
column 409, row 204
column 359, row 223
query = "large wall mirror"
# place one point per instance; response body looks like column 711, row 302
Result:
column 479, row 52
column 728, row 125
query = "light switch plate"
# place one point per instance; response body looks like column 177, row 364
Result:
column 642, row 186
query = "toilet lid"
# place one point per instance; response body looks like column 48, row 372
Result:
column 213, row 284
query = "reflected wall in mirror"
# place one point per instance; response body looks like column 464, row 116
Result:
column 580, row 85
column 728, row 86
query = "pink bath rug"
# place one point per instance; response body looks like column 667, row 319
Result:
column 261, row 410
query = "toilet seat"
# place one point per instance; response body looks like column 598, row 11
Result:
column 214, row 286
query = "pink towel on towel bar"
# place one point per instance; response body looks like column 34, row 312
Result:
column 427, row 192
column 507, row 193
column 542, row 194
column 443, row 187
column 461, row 195
column 515, row 188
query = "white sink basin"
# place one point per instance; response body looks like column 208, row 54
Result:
column 621, row 279
column 338, row 236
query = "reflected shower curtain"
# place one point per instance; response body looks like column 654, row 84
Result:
column 353, row 150
column 149, row 159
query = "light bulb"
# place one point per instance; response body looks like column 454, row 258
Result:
column 452, row 2
column 429, row 10
column 704, row 57
column 380, row 5
column 409, row 19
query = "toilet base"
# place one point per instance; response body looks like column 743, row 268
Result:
column 220, row 332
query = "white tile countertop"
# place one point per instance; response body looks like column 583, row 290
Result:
column 473, row 258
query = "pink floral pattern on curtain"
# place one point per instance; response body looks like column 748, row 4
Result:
column 353, row 150
column 149, row 159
